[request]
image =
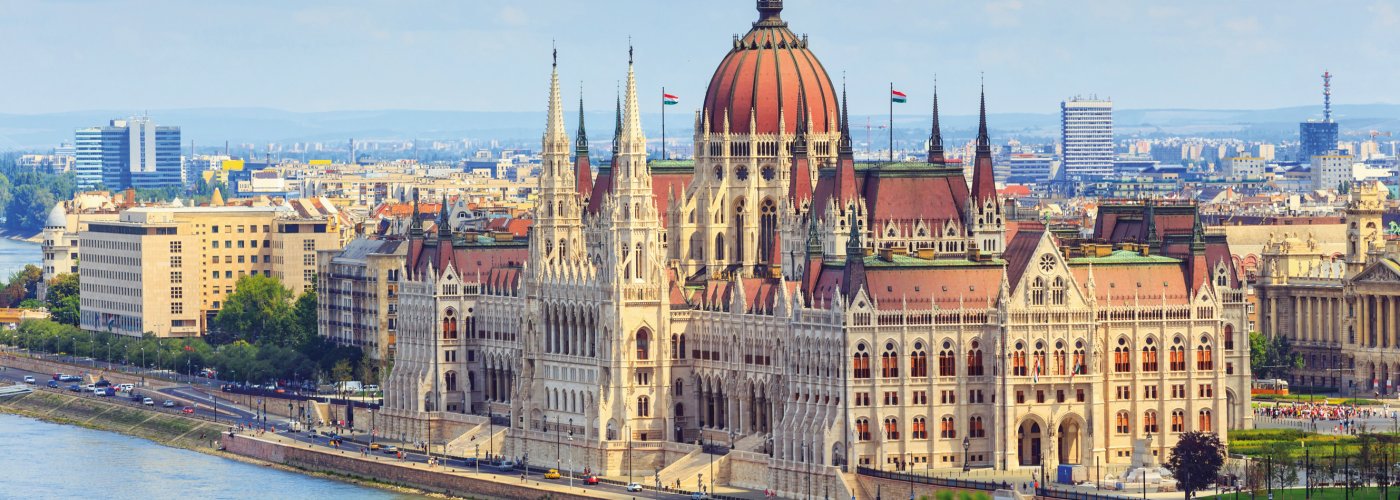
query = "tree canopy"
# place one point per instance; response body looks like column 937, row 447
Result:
column 1196, row 460
column 258, row 311
column 1272, row 358
column 62, row 298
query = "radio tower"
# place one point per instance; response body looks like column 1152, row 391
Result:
column 1327, row 96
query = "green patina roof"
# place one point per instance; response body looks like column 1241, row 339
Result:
column 1124, row 257
column 911, row 261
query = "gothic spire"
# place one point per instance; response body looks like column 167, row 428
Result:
column 444, row 224
column 554, row 135
column 982, row 140
column 581, row 143
column 415, row 225
column 935, row 138
column 844, row 146
column 983, row 178
column 617, row 125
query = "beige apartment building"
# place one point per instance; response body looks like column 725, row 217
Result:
column 358, row 295
column 166, row 271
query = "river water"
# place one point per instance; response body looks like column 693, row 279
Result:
column 44, row 460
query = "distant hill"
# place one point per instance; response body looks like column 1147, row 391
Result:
column 210, row 126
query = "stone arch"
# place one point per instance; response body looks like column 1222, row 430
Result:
column 1030, row 434
column 1069, row 436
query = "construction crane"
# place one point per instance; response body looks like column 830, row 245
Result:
column 868, row 126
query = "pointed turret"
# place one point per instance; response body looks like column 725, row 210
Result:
column 935, row 137
column 800, row 175
column 583, row 171
column 845, row 191
column 983, row 179
column 1149, row 217
column 415, row 224
column 853, row 276
column 444, row 222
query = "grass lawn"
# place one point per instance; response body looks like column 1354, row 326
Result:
column 1304, row 398
column 1254, row 442
column 1317, row 494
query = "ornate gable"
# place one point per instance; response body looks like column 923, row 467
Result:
column 1383, row 271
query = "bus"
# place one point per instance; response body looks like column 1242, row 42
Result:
column 1278, row 387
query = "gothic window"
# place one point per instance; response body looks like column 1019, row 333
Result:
column 1149, row 422
column 1229, row 337
column 738, row 224
column 1204, row 423
column 947, row 361
column 1081, row 365
column 643, row 406
column 643, row 344
column 1047, row 263
column 1018, row 361
column 450, row 380
column 1057, row 291
column 1059, row 360
column 1178, row 357
column 1149, row 356
column 974, row 360
column 1204, row 358
column 1123, row 423
column 1038, row 291
column 891, row 428
column 768, row 227
column 1121, row 356
column 860, row 363
column 862, row 429
column 1178, row 421
column 1040, row 365
column 918, row 361
column 449, row 324
column 975, row 427
column 768, row 172
column 675, row 346
column 741, row 173
column 719, row 172
column 889, row 362
column 719, row 246
column 946, row 429
column 920, row 428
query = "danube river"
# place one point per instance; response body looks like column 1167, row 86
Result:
column 43, row 460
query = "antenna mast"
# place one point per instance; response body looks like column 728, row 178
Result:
column 1327, row 96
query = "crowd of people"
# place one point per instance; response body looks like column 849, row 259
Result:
column 1344, row 415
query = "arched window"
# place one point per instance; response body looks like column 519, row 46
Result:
column 1038, row 291
column 1040, row 367
column 1149, row 356
column 1178, row 421
column 675, row 346
column 1018, row 361
column 918, row 361
column 919, row 429
column 891, row 428
column 1229, row 337
column 862, row 429
column 643, row 406
column 767, row 228
column 1205, row 423
column 1178, row 357
column 449, row 324
column 1149, row 422
column 889, row 362
column 719, row 247
column 974, row 360
column 947, row 361
column 1123, row 423
column 1121, row 357
column 1204, row 358
column 738, row 225
column 860, row 363
column 975, row 428
column 450, row 380
column 1057, row 291
column 946, row 429
column 1081, row 365
column 643, row 343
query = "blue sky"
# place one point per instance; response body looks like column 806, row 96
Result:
column 493, row 55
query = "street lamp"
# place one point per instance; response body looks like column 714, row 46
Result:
column 1144, row 474
column 966, row 446
column 571, row 453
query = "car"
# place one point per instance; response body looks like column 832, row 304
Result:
column 374, row 446
column 69, row 378
column 102, row 383
column 53, row 384
column 371, row 388
column 634, row 487
column 590, row 480
column 75, row 388
column 699, row 495
column 187, row 410
column 148, row 402
column 390, row 450
column 469, row 462
column 168, row 404
column 29, row 379
column 136, row 397
column 552, row 474
column 126, row 387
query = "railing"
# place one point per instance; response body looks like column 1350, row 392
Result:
column 935, row 481
column 1075, row 495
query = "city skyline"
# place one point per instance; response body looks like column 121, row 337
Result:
column 323, row 56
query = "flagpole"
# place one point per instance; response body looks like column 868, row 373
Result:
column 663, row 123
column 891, row 122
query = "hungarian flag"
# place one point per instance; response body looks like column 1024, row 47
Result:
column 669, row 99
column 1035, row 374
column 898, row 96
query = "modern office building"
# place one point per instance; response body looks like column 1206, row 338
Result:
column 1331, row 169
column 1244, row 166
column 165, row 271
column 1086, row 131
column 1030, row 168
column 128, row 153
column 1319, row 137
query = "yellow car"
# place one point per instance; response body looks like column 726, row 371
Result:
column 374, row 446
column 552, row 474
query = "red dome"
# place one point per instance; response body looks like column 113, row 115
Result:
column 768, row 70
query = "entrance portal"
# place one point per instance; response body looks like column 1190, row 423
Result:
column 1069, row 442
column 1028, row 442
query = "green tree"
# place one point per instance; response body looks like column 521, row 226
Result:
column 23, row 284
column 28, row 208
column 1196, row 460
column 341, row 371
column 258, row 310
column 62, row 298
column 304, row 314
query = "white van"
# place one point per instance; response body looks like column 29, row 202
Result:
column 126, row 387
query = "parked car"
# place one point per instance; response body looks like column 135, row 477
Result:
column 75, row 388
column 29, row 379
column 374, row 446
column 148, row 402
column 102, row 383
column 552, row 474
column 187, row 410
column 634, row 487
column 371, row 388
column 699, row 495
column 590, row 480
column 126, row 387
column 389, row 450
column 168, row 404
column 53, row 384
column 69, row 378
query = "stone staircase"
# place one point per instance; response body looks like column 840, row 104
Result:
column 689, row 467
column 466, row 444
column 751, row 442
